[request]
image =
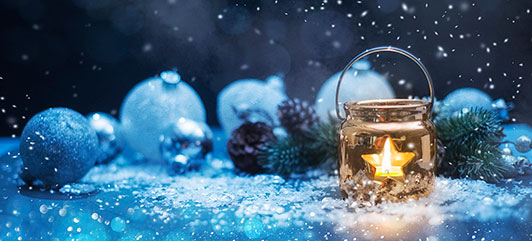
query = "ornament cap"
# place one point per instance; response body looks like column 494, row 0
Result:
column 170, row 77
column 362, row 64
column 275, row 82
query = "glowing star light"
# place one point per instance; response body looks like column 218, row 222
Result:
column 389, row 163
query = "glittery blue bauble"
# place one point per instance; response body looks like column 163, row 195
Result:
column 58, row 146
column 466, row 98
column 154, row 104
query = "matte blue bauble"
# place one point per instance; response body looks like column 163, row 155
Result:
column 154, row 104
column 58, row 146
column 359, row 83
column 250, row 100
column 466, row 98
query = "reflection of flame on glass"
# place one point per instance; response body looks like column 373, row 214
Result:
column 387, row 227
column 389, row 163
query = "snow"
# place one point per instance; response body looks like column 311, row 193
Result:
column 276, row 199
column 127, row 200
column 215, row 202
column 77, row 189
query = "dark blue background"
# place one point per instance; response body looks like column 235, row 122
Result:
column 87, row 54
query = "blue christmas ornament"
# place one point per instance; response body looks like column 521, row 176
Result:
column 58, row 146
column 250, row 100
column 185, row 145
column 110, row 136
column 472, row 98
column 466, row 98
column 360, row 82
column 154, row 104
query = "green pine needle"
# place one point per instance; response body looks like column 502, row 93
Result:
column 324, row 140
column 471, row 138
column 477, row 160
column 286, row 156
column 475, row 124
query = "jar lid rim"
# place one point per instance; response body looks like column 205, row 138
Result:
column 387, row 104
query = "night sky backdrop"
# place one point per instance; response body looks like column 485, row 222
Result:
column 87, row 54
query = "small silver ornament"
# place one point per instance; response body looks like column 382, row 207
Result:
column 523, row 144
column 507, row 151
column 185, row 144
column 520, row 164
column 523, row 161
column 109, row 134
column 510, row 162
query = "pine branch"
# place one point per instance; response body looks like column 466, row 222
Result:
column 476, row 160
column 476, row 124
column 471, row 138
column 324, row 140
column 286, row 156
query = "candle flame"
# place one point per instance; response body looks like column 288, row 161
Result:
column 389, row 163
column 386, row 159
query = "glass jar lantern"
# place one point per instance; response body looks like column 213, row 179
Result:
column 387, row 148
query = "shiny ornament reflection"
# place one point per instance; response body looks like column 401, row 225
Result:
column 185, row 145
column 110, row 139
column 523, row 144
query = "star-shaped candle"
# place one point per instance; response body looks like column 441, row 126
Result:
column 389, row 163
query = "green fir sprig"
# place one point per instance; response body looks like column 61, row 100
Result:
column 475, row 124
column 299, row 153
column 471, row 138
column 477, row 160
column 324, row 140
column 288, row 155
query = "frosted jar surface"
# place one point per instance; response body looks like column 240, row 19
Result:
column 358, row 180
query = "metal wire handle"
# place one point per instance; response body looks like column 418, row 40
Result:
column 383, row 49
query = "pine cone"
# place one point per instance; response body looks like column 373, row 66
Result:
column 245, row 144
column 297, row 116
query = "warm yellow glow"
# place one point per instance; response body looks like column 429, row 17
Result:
column 389, row 163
